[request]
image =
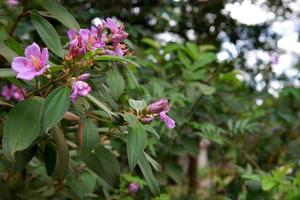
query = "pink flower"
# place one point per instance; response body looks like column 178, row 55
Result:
column 78, row 42
column 84, row 77
column 33, row 64
column 13, row 92
column 170, row 123
column 147, row 120
column 117, row 32
column 79, row 88
column 159, row 106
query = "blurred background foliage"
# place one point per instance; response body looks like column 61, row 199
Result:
column 237, row 134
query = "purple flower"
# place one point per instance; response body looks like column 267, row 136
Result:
column 79, row 88
column 170, row 123
column 133, row 187
column 33, row 64
column 97, row 38
column 147, row 120
column 158, row 106
column 13, row 92
column 117, row 50
column 12, row 3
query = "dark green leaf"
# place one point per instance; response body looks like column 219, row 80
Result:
column 50, row 158
column 62, row 150
column 56, row 105
column 61, row 14
column 116, row 82
column 190, row 144
column 148, row 174
column 23, row 158
column 48, row 34
column 89, row 136
column 14, row 45
column 136, row 143
column 22, row 126
column 104, row 164
column 99, row 104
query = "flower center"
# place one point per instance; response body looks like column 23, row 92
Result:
column 36, row 62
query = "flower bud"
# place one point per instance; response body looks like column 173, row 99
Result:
column 147, row 120
column 133, row 187
column 158, row 106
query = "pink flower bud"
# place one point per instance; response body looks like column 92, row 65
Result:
column 147, row 119
column 170, row 123
column 159, row 106
column 133, row 187
column 84, row 77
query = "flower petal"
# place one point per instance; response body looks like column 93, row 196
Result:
column 21, row 64
column 33, row 50
column 44, row 56
column 26, row 75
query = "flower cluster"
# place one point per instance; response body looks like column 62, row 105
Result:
column 159, row 108
column 13, row 92
column 107, row 38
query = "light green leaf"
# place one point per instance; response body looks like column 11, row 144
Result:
column 22, row 126
column 7, row 52
column 48, row 34
column 137, row 104
column 56, row 105
column 61, row 14
column 7, row 72
column 115, row 58
column 148, row 174
column 136, row 143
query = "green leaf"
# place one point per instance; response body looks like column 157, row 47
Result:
column 89, row 136
column 62, row 150
column 50, row 158
column 151, row 43
column 7, row 52
column 151, row 130
column 104, row 164
column 203, row 60
column 136, row 143
column 148, row 174
column 192, row 49
column 48, row 34
column 61, row 14
column 23, row 158
column 115, row 58
column 267, row 183
column 138, row 105
column 56, row 105
column 206, row 89
column 14, row 45
column 184, row 59
column 7, row 72
column 99, row 104
column 116, row 82
column 22, row 126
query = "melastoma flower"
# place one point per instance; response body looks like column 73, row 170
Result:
column 170, row 123
column 117, row 32
column 83, row 77
column 13, row 92
column 79, row 88
column 33, row 64
column 158, row 106
column 78, row 42
column 133, row 187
